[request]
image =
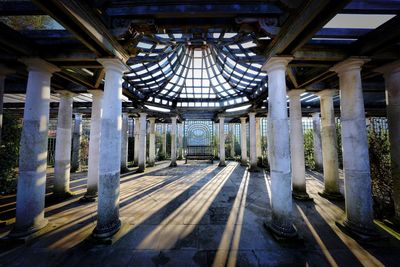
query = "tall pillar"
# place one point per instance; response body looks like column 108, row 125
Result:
column 329, row 146
column 253, row 143
column 278, row 149
column 216, row 126
column 180, row 141
column 392, row 82
column 258, row 138
column 173, row 142
column 76, row 143
column 62, row 163
column 33, row 149
column 152, row 142
column 297, row 147
column 221, row 142
column 124, row 143
column 164, row 139
column 108, row 222
column 317, row 140
column 243, row 141
column 136, row 131
column 232, row 135
column 142, row 142
column 94, row 146
column 357, row 177
column 3, row 73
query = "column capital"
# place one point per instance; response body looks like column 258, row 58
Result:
column 39, row 64
column 243, row 119
column 387, row 69
column 66, row 93
column 327, row 93
column 352, row 63
column 143, row 114
column 174, row 118
column 96, row 92
column 78, row 115
column 113, row 64
column 152, row 120
column 315, row 115
column 276, row 63
column 253, row 114
column 295, row 92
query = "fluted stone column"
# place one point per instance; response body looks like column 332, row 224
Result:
column 232, row 135
column 152, row 142
column 108, row 222
column 278, row 149
column 253, row 142
column 317, row 141
column 62, row 163
column 137, row 146
column 142, row 142
column 3, row 73
column 173, row 142
column 33, row 149
column 164, row 139
column 258, row 138
column 124, row 143
column 357, row 177
column 180, row 141
column 221, row 142
column 76, row 143
column 297, row 146
column 243, row 140
column 329, row 146
column 392, row 82
column 94, row 146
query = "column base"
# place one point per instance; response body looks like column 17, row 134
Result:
column 282, row 234
column 124, row 170
column 367, row 233
column 140, row 170
column 244, row 163
column 107, row 232
column 333, row 196
column 254, row 169
column 151, row 164
column 60, row 196
column 88, row 198
column 301, row 196
column 222, row 164
column 27, row 233
column 173, row 164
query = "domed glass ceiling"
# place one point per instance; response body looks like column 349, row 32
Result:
column 220, row 71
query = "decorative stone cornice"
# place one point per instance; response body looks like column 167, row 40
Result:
column 277, row 63
column 113, row 64
column 352, row 63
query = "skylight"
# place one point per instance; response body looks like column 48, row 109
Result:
column 358, row 21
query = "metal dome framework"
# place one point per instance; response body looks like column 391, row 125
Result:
column 178, row 70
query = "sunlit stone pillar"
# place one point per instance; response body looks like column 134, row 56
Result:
column 3, row 73
column 329, row 146
column 124, row 143
column 33, row 149
column 317, row 140
column 94, row 146
column 152, row 142
column 173, row 142
column 164, row 139
column 253, row 142
column 142, row 142
column 76, row 143
column 258, row 138
column 279, row 150
column 297, row 146
column 232, row 135
column 243, row 140
column 221, row 142
column 357, row 181
column 62, row 163
column 392, row 81
column 180, row 140
column 108, row 222
column 136, row 131
column 216, row 127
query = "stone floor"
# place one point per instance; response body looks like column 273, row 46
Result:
column 194, row 215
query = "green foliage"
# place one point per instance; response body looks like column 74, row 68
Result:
column 379, row 156
column 9, row 152
column 309, row 149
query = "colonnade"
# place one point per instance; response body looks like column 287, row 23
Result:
column 286, row 153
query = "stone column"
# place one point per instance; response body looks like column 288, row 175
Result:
column 392, row 82
column 216, row 126
column 108, row 222
column 76, row 143
column 317, row 141
column 33, row 149
column 231, row 133
column 94, row 146
column 152, row 142
column 357, row 177
column 297, row 147
column 124, row 143
column 258, row 138
column 164, row 139
column 142, row 142
column 180, row 140
column 62, row 163
column 173, row 142
column 136, row 131
column 253, row 142
column 221, row 142
column 243, row 141
column 329, row 146
column 278, row 149
column 3, row 73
